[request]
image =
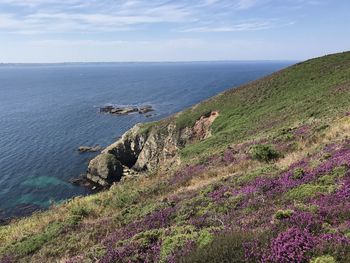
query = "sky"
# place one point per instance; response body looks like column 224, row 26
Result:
column 42, row 31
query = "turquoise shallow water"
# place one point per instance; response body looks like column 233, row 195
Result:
column 48, row 111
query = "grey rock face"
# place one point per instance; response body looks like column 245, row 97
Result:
column 105, row 169
column 159, row 148
column 137, row 151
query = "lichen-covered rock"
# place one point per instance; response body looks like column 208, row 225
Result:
column 105, row 169
column 160, row 147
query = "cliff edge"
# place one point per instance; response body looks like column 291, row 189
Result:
column 145, row 148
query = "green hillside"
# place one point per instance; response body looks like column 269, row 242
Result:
column 271, row 184
column 317, row 88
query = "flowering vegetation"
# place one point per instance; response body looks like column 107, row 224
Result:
column 292, row 245
column 298, row 214
column 282, row 195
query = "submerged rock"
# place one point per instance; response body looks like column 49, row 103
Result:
column 145, row 109
column 106, row 109
column 84, row 149
column 81, row 181
column 26, row 209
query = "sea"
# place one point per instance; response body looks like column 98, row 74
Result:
column 48, row 110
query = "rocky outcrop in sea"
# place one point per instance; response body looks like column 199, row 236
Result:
column 144, row 149
column 119, row 110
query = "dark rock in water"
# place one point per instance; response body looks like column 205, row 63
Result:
column 26, row 209
column 3, row 220
column 145, row 109
column 123, row 111
column 84, row 149
column 126, row 110
column 105, row 169
column 21, row 210
column 83, row 181
column 119, row 110
column 106, row 109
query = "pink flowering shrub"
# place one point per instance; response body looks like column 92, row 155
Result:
column 186, row 174
column 293, row 245
column 248, row 202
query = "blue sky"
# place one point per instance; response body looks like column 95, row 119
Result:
column 163, row 30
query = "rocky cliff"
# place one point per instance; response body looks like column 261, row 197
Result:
column 141, row 149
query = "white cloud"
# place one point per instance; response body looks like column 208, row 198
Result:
column 246, row 4
column 210, row 2
column 52, row 16
column 145, row 30
column 81, row 16
column 75, row 16
column 247, row 26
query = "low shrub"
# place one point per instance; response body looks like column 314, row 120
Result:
column 323, row 259
column 124, row 196
column 334, row 245
column 77, row 214
column 176, row 239
column 298, row 173
column 283, row 214
column 340, row 171
column 305, row 191
column 226, row 247
column 285, row 134
column 264, row 153
column 80, row 211
column 322, row 127
column 33, row 243
column 293, row 245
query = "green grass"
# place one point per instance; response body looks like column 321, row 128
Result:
column 226, row 247
column 313, row 89
column 305, row 191
column 33, row 243
column 282, row 214
column 325, row 184
column 323, row 259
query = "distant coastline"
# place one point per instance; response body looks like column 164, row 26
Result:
column 147, row 62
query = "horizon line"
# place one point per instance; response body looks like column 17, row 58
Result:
column 147, row 62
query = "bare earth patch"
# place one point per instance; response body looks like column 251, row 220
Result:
column 201, row 129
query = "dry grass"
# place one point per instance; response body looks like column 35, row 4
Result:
column 290, row 158
column 338, row 130
column 19, row 229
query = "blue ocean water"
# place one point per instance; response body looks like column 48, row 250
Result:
column 48, row 111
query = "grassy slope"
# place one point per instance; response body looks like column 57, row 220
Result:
column 306, row 90
column 229, row 197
